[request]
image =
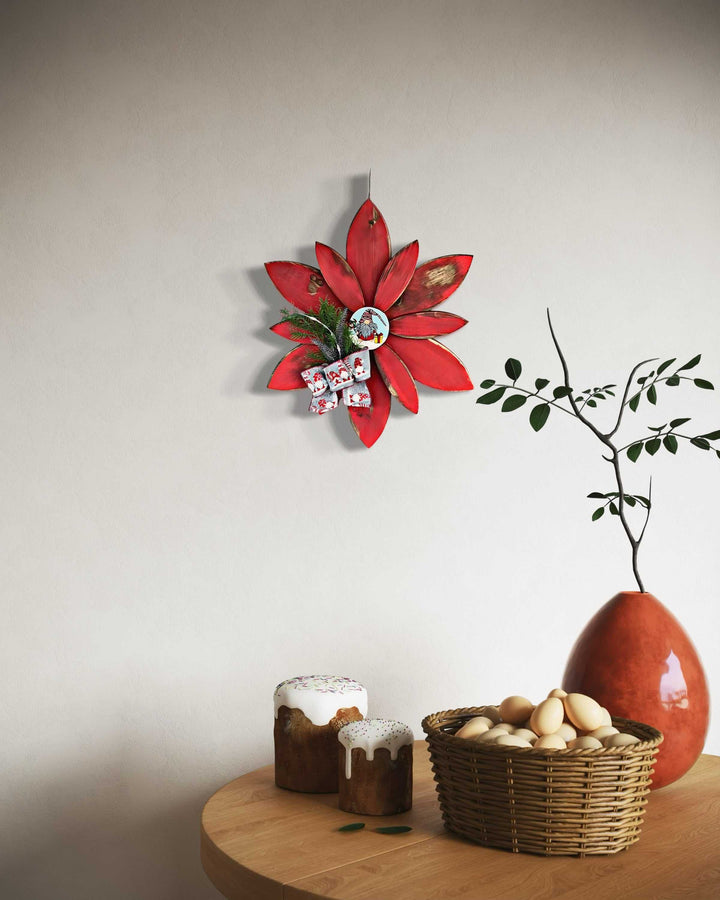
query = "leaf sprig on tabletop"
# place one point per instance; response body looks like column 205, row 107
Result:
column 327, row 329
column 572, row 402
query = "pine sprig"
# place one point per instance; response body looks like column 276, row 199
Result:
column 326, row 328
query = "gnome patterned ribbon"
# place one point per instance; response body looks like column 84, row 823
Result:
column 346, row 375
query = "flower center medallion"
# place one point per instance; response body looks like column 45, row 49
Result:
column 370, row 327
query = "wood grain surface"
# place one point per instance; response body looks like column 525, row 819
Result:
column 259, row 842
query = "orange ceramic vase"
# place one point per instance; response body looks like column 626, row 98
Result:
column 635, row 658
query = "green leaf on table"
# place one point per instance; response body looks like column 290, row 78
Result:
column 634, row 451
column 666, row 365
column 614, row 510
column 706, row 385
column 596, row 495
column 561, row 391
column 541, row 383
column 700, row 442
column 676, row 423
column 633, row 402
column 670, row 443
column 492, row 397
column 353, row 826
column 513, row 368
column 598, row 512
column 690, row 365
column 393, row 829
column 652, row 395
column 673, row 381
column 514, row 402
column 712, row 435
column 539, row 416
column 488, row 383
column 653, row 445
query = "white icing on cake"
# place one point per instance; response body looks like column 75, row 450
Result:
column 319, row 697
column 372, row 734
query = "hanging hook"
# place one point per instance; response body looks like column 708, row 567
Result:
column 369, row 182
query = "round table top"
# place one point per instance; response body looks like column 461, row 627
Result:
column 260, row 842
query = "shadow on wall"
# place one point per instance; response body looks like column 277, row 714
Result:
column 100, row 832
column 246, row 286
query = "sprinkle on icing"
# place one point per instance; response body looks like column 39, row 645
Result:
column 371, row 735
column 319, row 697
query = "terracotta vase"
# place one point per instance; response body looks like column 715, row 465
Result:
column 635, row 658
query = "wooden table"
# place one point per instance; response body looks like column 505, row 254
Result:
column 260, row 842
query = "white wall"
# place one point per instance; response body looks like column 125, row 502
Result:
column 162, row 511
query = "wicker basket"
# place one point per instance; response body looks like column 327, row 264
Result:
column 554, row 803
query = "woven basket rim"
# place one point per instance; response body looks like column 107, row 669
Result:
column 435, row 731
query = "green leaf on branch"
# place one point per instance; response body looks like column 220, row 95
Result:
column 513, row 368
column 690, row 365
column 666, row 365
column 514, row 402
column 670, row 443
column 488, row 383
column 700, row 442
column 633, row 403
column 652, row 446
column 561, row 391
column 539, row 416
column 596, row 495
column 634, row 451
column 642, row 379
column 652, row 395
column 614, row 510
column 706, row 385
column 592, row 403
column 676, row 423
column 541, row 383
column 644, row 501
column 673, row 381
column 657, row 427
column 493, row 396
column 712, row 435
column 598, row 512
column 629, row 499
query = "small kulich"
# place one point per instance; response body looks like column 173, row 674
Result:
column 309, row 712
column 375, row 767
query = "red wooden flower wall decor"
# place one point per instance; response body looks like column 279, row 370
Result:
column 371, row 304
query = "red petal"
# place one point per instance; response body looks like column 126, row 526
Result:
column 286, row 330
column 396, row 276
column 368, row 248
column 339, row 276
column 286, row 375
column 303, row 286
column 431, row 363
column 397, row 377
column 432, row 283
column 369, row 423
column 426, row 324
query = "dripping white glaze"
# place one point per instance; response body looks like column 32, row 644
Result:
column 319, row 697
column 372, row 734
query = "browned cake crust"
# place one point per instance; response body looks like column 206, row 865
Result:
column 306, row 755
column 378, row 787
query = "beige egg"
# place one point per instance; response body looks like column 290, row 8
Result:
column 558, row 692
column 492, row 713
column 490, row 735
column 584, row 743
column 516, row 710
column 506, row 727
column 566, row 732
column 512, row 740
column 606, row 717
column 547, row 716
column 474, row 727
column 526, row 734
column 621, row 739
column 550, row 742
column 583, row 711
column 603, row 731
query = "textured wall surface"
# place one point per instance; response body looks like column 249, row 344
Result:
column 175, row 538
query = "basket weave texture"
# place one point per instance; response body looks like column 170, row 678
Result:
column 553, row 803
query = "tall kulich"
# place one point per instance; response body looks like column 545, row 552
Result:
column 310, row 710
column 375, row 767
